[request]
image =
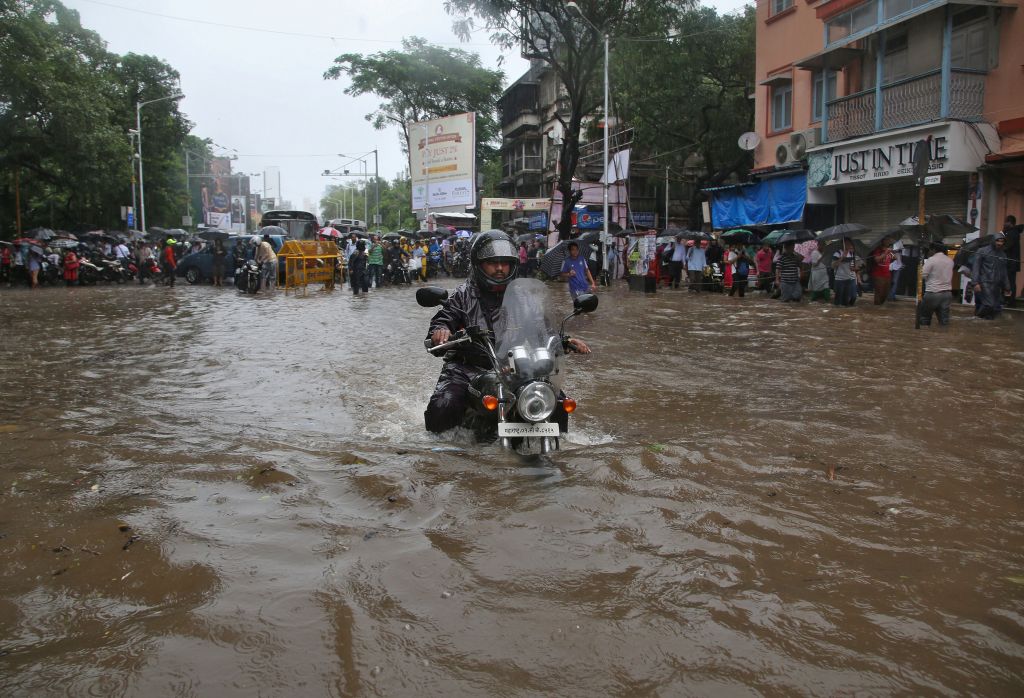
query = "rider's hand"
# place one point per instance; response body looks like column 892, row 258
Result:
column 441, row 336
column 578, row 346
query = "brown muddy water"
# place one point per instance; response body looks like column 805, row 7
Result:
column 208, row 494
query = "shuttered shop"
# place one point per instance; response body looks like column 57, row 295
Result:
column 881, row 206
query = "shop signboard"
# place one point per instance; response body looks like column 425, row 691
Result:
column 643, row 219
column 442, row 157
column 953, row 149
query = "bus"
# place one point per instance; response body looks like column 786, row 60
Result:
column 347, row 225
column 300, row 225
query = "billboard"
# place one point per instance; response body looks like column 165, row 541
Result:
column 218, row 197
column 442, row 161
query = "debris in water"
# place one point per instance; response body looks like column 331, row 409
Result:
column 392, row 498
column 128, row 543
column 59, row 572
column 446, row 594
column 125, row 576
column 123, row 527
column 95, row 488
column 1015, row 580
column 376, row 671
column 61, row 549
column 408, row 626
column 892, row 510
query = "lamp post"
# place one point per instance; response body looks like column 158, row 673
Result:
column 132, row 133
column 574, row 9
column 138, row 129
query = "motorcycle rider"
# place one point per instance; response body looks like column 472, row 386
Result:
column 494, row 262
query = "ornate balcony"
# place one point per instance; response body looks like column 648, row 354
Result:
column 914, row 100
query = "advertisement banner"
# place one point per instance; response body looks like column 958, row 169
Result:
column 238, row 209
column 221, row 221
column 442, row 161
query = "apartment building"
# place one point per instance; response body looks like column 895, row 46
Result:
column 846, row 88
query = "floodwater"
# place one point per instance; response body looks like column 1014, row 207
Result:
column 203, row 493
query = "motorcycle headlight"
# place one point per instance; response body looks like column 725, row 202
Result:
column 536, row 401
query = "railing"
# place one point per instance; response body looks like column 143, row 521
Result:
column 913, row 100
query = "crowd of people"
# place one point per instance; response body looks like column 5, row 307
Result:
column 792, row 271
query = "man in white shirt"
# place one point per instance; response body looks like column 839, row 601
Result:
column 696, row 260
column 937, row 276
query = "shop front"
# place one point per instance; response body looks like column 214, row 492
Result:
column 874, row 176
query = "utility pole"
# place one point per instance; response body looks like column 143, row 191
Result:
column 376, row 189
column 17, row 198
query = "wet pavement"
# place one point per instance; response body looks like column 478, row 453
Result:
column 203, row 493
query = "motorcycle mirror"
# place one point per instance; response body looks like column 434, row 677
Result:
column 431, row 296
column 585, row 303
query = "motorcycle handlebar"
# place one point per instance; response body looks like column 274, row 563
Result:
column 448, row 345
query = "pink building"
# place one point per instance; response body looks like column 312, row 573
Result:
column 845, row 88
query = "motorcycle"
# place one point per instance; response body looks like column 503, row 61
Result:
column 519, row 400
column 397, row 273
column 112, row 270
column 460, row 265
column 88, row 272
column 247, row 277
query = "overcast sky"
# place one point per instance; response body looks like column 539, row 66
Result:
column 252, row 73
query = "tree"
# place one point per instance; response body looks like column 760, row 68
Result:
column 425, row 82
column 66, row 104
column 690, row 98
column 547, row 30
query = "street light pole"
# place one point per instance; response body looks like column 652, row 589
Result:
column 574, row 9
column 131, row 136
column 138, row 128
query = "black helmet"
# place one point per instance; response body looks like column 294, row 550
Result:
column 493, row 245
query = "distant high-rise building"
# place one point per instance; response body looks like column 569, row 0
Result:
column 272, row 183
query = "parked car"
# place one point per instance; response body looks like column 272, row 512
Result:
column 197, row 267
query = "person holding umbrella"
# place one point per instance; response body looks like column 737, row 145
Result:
column 845, row 264
column 577, row 272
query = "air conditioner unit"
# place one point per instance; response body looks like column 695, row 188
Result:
column 802, row 141
column 784, row 154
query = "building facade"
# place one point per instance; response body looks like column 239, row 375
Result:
column 847, row 88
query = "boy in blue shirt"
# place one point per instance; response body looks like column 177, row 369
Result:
column 575, row 269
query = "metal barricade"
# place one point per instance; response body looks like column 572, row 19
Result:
column 309, row 262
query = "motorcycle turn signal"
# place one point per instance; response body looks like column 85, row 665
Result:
column 490, row 402
column 569, row 405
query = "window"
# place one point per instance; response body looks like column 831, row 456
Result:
column 894, row 8
column 858, row 19
column 896, row 62
column 830, row 94
column 782, row 107
column 780, row 6
column 969, row 44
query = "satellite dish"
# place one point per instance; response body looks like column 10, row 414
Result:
column 749, row 140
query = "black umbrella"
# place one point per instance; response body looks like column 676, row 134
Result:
column 43, row 234
column 795, row 236
column 696, row 235
column 390, row 236
column 844, row 230
column 272, row 230
column 589, row 237
column 211, row 235
column 937, row 227
column 551, row 262
column 741, row 236
column 978, row 243
column 871, row 242
column 63, row 244
column 524, row 237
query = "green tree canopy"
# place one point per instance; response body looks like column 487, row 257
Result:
column 66, row 105
column 422, row 81
column 690, row 96
column 573, row 47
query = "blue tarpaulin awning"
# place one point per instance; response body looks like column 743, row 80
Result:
column 772, row 200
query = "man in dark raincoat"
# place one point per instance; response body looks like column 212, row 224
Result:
column 988, row 272
column 494, row 263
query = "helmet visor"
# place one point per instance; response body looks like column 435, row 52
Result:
column 497, row 249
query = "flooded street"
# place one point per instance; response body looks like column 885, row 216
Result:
column 203, row 493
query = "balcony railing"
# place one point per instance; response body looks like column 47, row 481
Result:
column 914, row 100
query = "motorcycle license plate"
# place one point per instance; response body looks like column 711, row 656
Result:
column 513, row 429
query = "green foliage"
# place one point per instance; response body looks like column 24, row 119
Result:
column 66, row 104
column 424, row 82
column 395, row 197
column 690, row 97
column 573, row 47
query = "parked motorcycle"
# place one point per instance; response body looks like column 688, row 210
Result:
column 88, row 272
column 519, row 400
column 111, row 270
column 397, row 273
